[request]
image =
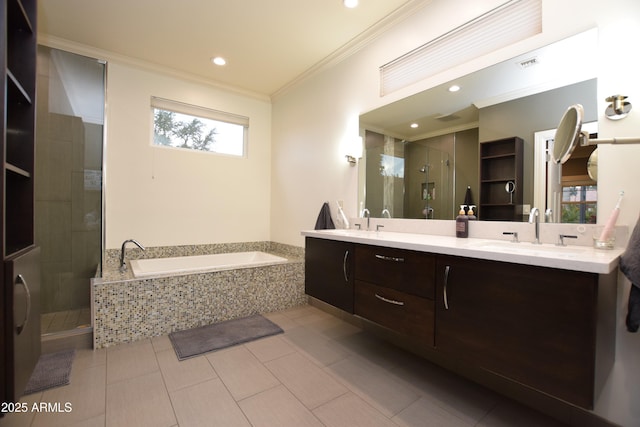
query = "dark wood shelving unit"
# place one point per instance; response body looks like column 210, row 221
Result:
column 500, row 164
column 20, row 322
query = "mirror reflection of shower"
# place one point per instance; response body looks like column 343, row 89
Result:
column 416, row 179
column 428, row 209
column 435, row 195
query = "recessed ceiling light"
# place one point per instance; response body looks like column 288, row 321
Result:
column 350, row 3
column 218, row 60
column 414, row 125
column 454, row 88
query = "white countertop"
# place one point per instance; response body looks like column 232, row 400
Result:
column 576, row 258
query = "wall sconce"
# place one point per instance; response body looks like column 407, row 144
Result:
column 618, row 109
column 354, row 150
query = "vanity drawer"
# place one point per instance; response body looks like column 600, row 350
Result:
column 407, row 314
column 407, row 271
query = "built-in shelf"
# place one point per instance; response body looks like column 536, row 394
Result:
column 20, row 348
column 18, row 16
column 15, row 89
column 16, row 170
column 501, row 166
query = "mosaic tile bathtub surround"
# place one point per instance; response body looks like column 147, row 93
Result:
column 126, row 309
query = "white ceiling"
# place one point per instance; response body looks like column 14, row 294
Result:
column 267, row 43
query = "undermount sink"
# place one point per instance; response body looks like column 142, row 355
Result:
column 526, row 248
column 352, row 232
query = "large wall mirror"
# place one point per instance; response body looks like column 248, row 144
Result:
column 422, row 153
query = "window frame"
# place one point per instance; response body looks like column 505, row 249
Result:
column 199, row 112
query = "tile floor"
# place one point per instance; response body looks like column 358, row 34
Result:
column 320, row 372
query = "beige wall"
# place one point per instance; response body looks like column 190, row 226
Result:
column 163, row 196
column 311, row 121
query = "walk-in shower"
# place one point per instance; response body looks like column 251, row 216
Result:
column 69, row 158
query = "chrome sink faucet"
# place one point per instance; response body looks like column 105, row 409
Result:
column 123, row 264
column 534, row 217
column 366, row 214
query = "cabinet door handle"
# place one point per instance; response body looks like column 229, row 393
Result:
column 390, row 301
column 21, row 281
column 344, row 266
column 389, row 258
column 444, row 288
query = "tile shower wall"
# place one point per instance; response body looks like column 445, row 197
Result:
column 126, row 309
column 68, row 205
column 67, row 192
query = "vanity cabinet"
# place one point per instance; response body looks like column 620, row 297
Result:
column 531, row 331
column 395, row 288
column 329, row 272
column 549, row 329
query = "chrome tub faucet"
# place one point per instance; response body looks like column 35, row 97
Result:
column 123, row 264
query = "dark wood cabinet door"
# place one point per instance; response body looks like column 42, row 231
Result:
column 329, row 272
column 534, row 325
column 22, row 286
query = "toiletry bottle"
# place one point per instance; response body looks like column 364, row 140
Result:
column 471, row 213
column 462, row 223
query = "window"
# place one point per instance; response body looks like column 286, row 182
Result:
column 180, row 125
column 579, row 204
column 391, row 166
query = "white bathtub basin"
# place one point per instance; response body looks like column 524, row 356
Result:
column 201, row 263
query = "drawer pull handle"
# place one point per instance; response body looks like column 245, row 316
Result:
column 444, row 289
column 389, row 258
column 344, row 266
column 390, row 301
column 21, row 281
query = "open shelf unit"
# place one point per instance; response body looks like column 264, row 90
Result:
column 500, row 166
column 20, row 322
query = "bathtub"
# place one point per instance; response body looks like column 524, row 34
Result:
column 202, row 263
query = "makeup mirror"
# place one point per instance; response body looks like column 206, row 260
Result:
column 568, row 134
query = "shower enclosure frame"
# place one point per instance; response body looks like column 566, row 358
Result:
column 75, row 50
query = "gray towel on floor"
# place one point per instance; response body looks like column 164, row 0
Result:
column 324, row 221
column 630, row 259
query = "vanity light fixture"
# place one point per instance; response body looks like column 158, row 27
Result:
column 354, row 150
column 218, row 60
column 618, row 109
column 350, row 3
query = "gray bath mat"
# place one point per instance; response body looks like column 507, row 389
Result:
column 194, row 342
column 52, row 370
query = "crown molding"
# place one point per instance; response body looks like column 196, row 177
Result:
column 107, row 56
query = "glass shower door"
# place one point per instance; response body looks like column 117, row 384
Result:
column 69, row 158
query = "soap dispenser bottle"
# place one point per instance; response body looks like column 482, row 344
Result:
column 462, row 223
column 471, row 213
